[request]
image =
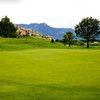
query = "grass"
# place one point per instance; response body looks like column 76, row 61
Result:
column 30, row 43
column 10, row 44
column 30, row 71
column 50, row 74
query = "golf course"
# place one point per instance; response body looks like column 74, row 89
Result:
column 35, row 69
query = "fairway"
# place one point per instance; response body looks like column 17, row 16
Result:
column 50, row 74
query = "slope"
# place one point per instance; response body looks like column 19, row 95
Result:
column 27, row 43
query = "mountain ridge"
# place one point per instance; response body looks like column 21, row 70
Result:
column 47, row 30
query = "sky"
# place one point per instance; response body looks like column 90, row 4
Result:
column 56, row 13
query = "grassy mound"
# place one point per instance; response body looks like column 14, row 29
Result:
column 27, row 43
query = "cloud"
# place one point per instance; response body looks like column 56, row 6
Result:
column 9, row 1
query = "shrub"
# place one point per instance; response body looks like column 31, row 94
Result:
column 79, row 43
column 95, row 44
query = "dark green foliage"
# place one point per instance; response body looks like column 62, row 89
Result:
column 95, row 43
column 52, row 41
column 57, row 40
column 7, row 28
column 60, row 41
column 80, row 43
column 68, row 37
column 88, row 29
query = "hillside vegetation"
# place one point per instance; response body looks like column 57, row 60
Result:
column 27, row 43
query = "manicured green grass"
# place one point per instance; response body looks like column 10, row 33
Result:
column 50, row 74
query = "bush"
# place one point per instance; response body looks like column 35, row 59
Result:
column 52, row 41
column 79, row 43
column 95, row 44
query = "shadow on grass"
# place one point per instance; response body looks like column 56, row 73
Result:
column 10, row 90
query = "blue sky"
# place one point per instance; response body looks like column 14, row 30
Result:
column 56, row 13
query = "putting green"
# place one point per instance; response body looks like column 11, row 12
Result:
column 50, row 74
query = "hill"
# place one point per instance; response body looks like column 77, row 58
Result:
column 47, row 30
column 27, row 43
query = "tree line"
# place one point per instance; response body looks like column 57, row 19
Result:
column 87, row 29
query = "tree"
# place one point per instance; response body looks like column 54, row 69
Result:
column 7, row 28
column 52, row 40
column 68, row 37
column 88, row 29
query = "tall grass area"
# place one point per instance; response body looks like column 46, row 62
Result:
column 27, row 43
column 50, row 74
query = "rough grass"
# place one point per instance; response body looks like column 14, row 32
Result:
column 30, row 43
column 50, row 74
column 27, row 43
